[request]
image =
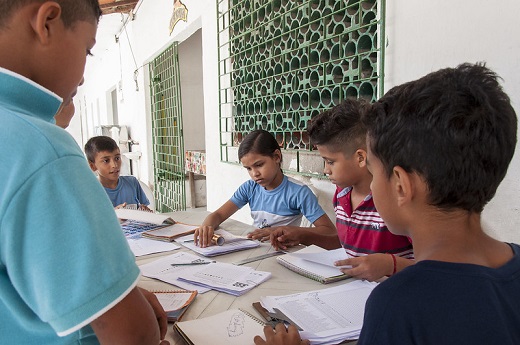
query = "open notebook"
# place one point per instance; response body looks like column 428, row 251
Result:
column 232, row 327
column 156, row 226
column 315, row 263
column 175, row 302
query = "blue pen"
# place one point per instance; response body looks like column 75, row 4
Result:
column 137, row 201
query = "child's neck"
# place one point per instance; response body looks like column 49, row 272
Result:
column 108, row 183
column 456, row 237
column 278, row 179
column 359, row 192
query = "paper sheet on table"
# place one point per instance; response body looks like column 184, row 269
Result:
column 326, row 258
column 163, row 270
column 144, row 246
column 228, row 278
column 333, row 313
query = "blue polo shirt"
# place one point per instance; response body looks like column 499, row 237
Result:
column 63, row 258
column 281, row 206
column 128, row 190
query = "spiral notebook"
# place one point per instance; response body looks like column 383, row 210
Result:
column 156, row 226
column 175, row 302
column 232, row 327
column 316, row 271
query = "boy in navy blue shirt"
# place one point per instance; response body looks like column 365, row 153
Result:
column 438, row 147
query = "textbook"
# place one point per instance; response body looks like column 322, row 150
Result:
column 325, row 316
column 143, row 216
column 155, row 226
column 231, row 327
column 175, row 302
column 315, row 263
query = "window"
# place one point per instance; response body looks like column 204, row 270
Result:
column 281, row 62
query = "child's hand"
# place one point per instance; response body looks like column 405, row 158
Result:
column 160, row 314
column 370, row 267
column 261, row 235
column 280, row 336
column 283, row 237
column 123, row 205
column 203, row 236
column 145, row 208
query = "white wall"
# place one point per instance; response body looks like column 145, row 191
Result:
column 427, row 35
column 192, row 92
column 422, row 36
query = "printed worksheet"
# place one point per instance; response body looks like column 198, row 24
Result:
column 169, row 268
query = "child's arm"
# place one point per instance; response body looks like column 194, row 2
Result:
column 134, row 320
column 323, row 234
column 374, row 266
column 203, row 235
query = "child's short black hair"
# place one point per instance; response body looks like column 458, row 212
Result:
column 260, row 142
column 98, row 144
column 340, row 128
column 71, row 10
column 455, row 127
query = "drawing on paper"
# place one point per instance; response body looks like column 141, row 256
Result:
column 236, row 325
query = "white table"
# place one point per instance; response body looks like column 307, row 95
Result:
column 282, row 281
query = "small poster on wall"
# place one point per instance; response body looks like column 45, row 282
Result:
column 180, row 12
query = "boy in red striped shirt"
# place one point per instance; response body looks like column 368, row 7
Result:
column 339, row 137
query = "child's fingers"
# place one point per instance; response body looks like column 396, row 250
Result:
column 347, row 263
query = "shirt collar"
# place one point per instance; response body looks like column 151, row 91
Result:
column 23, row 95
column 346, row 190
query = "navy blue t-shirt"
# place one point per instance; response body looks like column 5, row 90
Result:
column 441, row 303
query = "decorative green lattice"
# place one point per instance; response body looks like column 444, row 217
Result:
column 168, row 143
column 281, row 62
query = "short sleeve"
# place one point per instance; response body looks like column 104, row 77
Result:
column 63, row 247
column 140, row 192
column 243, row 194
column 309, row 205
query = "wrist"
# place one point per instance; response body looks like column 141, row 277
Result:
column 394, row 264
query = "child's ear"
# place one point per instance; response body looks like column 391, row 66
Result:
column 92, row 166
column 277, row 156
column 45, row 20
column 403, row 185
column 361, row 156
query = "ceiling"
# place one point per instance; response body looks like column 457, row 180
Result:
column 117, row 6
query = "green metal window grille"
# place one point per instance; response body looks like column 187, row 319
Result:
column 168, row 143
column 281, row 62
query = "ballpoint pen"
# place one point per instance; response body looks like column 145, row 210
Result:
column 194, row 263
column 137, row 202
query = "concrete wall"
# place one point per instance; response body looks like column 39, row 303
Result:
column 422, row 36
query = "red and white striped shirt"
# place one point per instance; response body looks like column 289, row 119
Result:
column 362, row 231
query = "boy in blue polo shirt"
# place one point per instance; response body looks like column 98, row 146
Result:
column 103, row 156
column 67, row 275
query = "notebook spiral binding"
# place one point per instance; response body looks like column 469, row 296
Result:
column 171, row 291
column 256, row 319
column 299, row 270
